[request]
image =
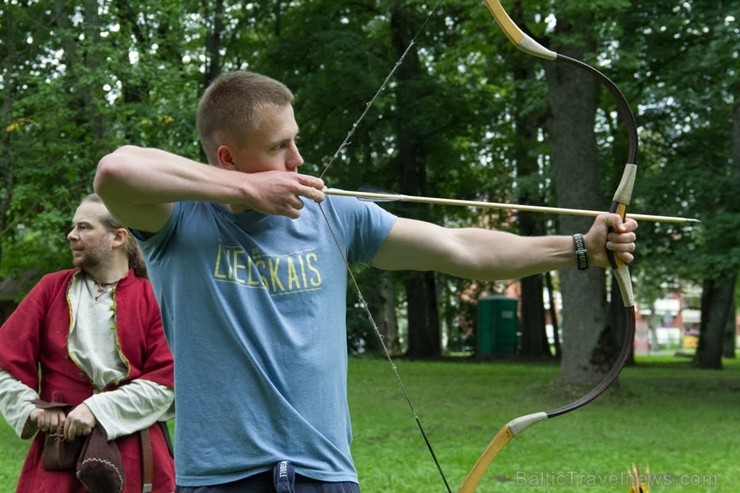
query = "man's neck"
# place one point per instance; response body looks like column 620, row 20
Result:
column 109, row 275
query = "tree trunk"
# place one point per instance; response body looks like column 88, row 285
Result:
column 731, row 331
column 423, row 318
column 587, row 349
column 716, row 304
column 133, row 90
column 728, row 346
column 717, row 298
column 534, row 334
column 386, row 313
column 424, row 341
column 92, row 94
column 534, row 337
column 214, row 44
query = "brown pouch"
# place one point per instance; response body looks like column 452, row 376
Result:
column 59, row 454
column 100, row 468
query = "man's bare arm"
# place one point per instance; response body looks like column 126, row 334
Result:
column 140, row 185
column 475, row 253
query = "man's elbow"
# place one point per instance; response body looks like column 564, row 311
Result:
column 110, row 170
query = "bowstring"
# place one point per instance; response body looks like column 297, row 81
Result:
column 361, row 299
column 386, row 351
column 347, row 140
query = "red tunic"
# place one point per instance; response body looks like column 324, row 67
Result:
column 35, row 338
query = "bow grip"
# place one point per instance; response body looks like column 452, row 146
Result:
column 619, row 206
column 620, row 202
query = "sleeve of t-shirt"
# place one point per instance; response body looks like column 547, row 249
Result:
column 154, row 245
column 371, row 225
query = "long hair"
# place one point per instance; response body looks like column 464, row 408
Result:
column 135, row 257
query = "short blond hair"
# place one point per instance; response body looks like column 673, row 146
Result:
column 231, row 106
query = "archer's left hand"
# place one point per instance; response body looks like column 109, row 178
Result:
column 621, row 240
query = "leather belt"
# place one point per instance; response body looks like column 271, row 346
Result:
column 147, row 467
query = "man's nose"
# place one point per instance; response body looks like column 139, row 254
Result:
column 295, row 159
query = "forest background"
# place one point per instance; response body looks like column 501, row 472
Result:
column 464, row 116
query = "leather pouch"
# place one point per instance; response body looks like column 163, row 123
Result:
column 100, row 467
column 59, row 454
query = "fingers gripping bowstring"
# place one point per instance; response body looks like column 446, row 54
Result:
column 361, row 299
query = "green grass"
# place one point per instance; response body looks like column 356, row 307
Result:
column 680, row 422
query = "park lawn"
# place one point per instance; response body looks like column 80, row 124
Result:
column 679, row 422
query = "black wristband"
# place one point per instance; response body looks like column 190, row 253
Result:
column 581, row 252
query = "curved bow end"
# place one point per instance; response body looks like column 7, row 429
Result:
column 503, row 437
column 516, row 35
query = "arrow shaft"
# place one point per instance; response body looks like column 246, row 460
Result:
column 496, row 205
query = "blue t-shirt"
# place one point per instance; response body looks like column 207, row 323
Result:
column 254, row 309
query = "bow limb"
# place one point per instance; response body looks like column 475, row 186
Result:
column 620, row 270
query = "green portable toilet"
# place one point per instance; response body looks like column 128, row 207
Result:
column 496, row 326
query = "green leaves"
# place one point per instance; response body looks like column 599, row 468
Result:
column 78, row 83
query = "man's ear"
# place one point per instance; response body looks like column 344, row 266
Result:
column 225, row 158
column 120, row 237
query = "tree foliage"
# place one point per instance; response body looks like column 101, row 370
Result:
column 82, row 77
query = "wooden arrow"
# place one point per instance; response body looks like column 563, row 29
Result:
column 394, row 197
